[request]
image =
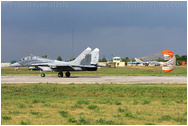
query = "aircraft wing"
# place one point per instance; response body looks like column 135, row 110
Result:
column 39, row 64
column 87, row 66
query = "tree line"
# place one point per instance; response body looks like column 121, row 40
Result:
column 179, row 59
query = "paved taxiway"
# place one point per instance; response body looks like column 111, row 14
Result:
column 95, row 79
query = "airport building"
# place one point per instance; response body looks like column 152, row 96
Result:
column 116, row 62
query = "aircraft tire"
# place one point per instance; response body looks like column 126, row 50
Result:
column 42, row 75
column 60, row 74
column 67, row 74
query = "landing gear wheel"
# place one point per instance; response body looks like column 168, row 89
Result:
column 42, row 75
column 67, row 74
column 60, row 74
column 147, row 64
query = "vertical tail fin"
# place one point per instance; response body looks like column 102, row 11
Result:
column 94, row 56
column 83, row 58
column 138, row 60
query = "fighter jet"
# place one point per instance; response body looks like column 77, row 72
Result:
column 86, row 61
column 138, row 61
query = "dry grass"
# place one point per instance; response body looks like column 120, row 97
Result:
column 46, row 104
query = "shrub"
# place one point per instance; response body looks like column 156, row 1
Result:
column 34, row 113
column 76, row 106
column 179, row 101
column 24, row 123
column 100, row 121
column 135, row 102
column 93, row 107
column 35, row 101
column 71, row 119
column 21, row 106
column 185, row 113
column 145, row 102
column 128, row 114
column 103, row 122
column 6, row 117
column 117, row 115
column 14, row 112
column 63, row 113
column 149, row 124
column 166, row 117
column 120, row 109
column 82, row 121
column 82, row 102
column 181, row 120
column 117, row 103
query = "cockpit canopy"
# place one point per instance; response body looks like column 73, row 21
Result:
column 29, row 57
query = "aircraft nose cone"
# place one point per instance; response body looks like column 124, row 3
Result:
column 15, row 65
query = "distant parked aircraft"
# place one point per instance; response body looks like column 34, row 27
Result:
column 86, row 61
column 138, row 61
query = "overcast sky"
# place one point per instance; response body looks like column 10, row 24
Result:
column 125, row 29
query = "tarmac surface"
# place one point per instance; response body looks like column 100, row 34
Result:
column 95, row 79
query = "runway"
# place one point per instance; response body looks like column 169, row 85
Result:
column 96, row 79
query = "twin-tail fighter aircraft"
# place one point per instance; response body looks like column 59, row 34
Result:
column 86, row 61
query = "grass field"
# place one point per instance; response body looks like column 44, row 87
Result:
column 105, row 71
column 52, row 104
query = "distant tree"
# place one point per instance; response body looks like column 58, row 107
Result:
column 178, row 57
column 104, row 59
column 126, row 59
column 59, row 58
column 100, row 60
column 44, row 56
column 13, row 61
column 159, row 59
column 132, row 60
column 184, row 58
column 72, row 59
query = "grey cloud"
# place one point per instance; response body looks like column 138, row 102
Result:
column 123, row 28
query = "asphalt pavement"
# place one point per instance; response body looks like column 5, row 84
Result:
column 95, row 79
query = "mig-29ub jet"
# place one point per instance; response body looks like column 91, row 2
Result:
column 86, row 61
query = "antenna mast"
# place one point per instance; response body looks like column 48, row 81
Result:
column 72, row 40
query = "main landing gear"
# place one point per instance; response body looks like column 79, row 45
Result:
column 67, row 74
column 60, row 74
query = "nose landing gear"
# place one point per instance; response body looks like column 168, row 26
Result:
column 42, row 75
